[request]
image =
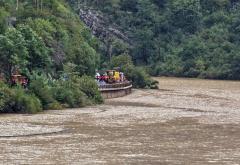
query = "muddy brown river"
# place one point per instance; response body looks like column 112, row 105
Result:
column 186, row 121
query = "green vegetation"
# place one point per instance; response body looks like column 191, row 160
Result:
column 17, row 100
column 71, row 93
column 192, row 38
column 46, row 41
column 42, row 39
column 137, row 75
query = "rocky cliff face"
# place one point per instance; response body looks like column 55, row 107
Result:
column 100, row 27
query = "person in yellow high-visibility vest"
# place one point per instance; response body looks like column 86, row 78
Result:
column 117, row 76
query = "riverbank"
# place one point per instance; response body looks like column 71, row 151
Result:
column 186, row 121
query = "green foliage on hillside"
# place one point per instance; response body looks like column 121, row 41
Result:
column 44, row 36
column 193, row 38
column 46, row 41
column 38, row 39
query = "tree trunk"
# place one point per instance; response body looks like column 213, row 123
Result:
column 17, row 4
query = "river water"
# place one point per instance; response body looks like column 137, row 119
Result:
column 186, row 121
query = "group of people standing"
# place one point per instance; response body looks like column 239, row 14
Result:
column 110, row 76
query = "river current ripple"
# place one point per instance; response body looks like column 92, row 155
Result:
column 186, row 121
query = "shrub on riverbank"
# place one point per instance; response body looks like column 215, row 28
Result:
column 73, row 92
column 43, row 92
column 66, row 93
column 90, row 88
column 141, row 79
column 13, row 100
column 46, row 93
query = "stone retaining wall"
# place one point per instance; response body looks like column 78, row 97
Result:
column 115, row 90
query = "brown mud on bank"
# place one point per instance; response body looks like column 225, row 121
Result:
column 186, row 121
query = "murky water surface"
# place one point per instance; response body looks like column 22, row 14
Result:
column 186, row 121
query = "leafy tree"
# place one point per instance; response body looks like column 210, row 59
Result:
column 36, row 49
column 13, row 52
column 84, row 57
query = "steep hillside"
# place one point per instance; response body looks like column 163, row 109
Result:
column 45, row 41
column 51, row 35
column 194, row 38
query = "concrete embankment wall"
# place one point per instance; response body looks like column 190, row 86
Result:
column 116, row 90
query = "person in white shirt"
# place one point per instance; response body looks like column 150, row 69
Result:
column 97, row 76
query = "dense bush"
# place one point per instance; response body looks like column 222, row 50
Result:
column 16, row 100
column 72, row 92
column 43, row 92
column 69, row 96
column 90, row 88
column 23, row 102
column 141, row 79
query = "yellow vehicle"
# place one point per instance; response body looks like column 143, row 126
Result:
column 113, row 76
